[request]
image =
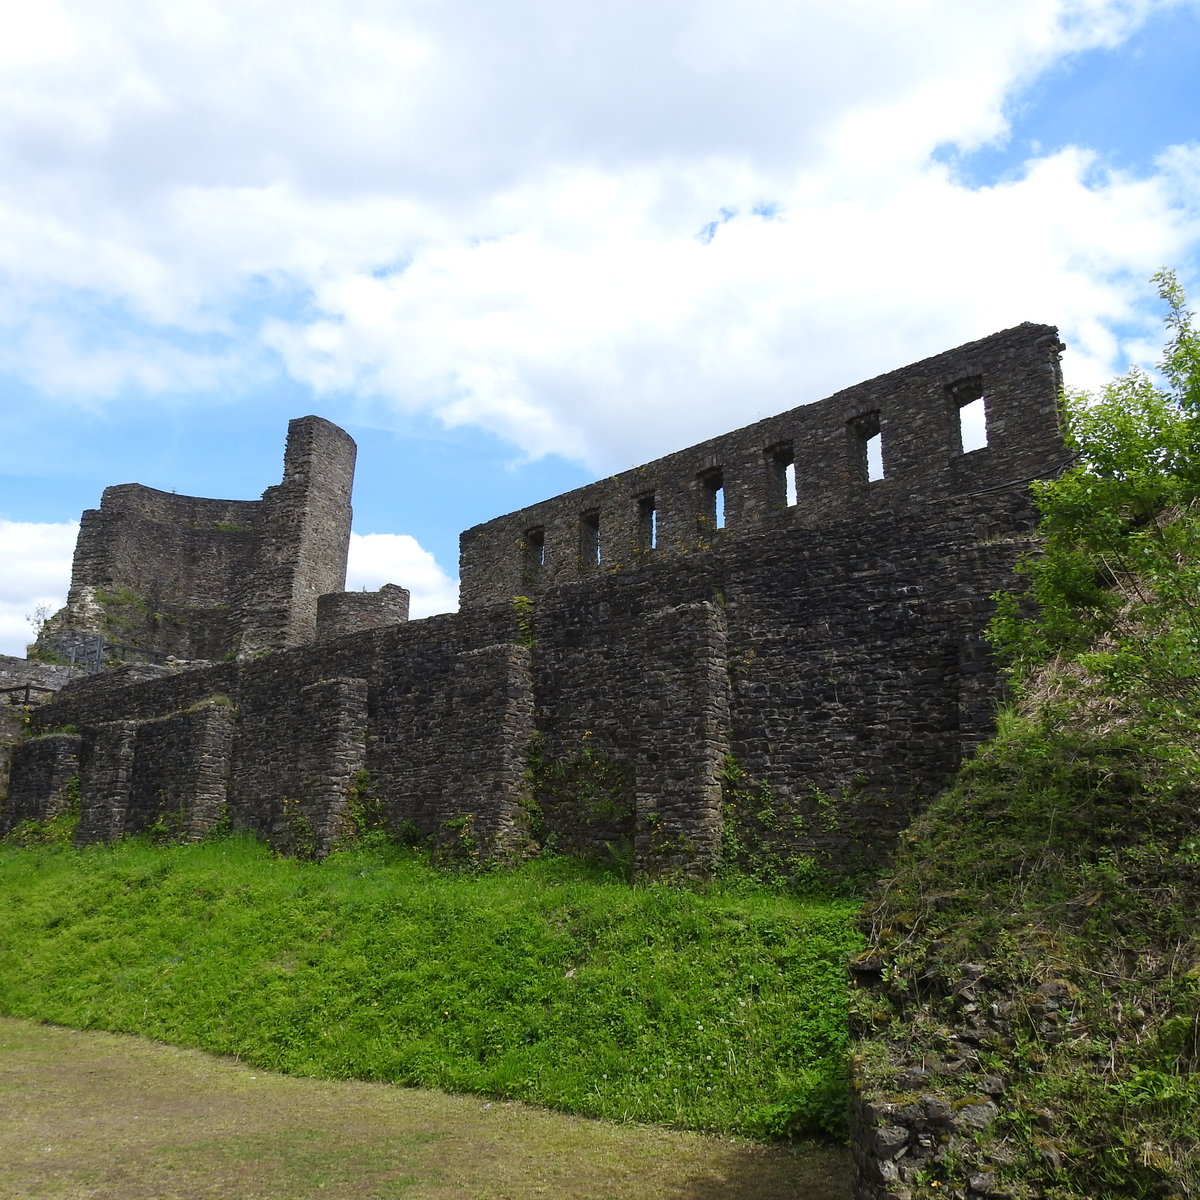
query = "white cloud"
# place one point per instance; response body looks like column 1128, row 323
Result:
column 35, row 571
column 489, row 212
column 379, row 558
column 626, row 342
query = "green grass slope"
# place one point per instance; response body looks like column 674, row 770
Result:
column 1028, row 1023
column 723, row 1010
column 1038, row 950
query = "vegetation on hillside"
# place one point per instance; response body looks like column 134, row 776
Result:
column 722, row 1010
column 1038, row 944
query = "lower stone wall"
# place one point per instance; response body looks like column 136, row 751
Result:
column 633, row 717
column 24, row 684
column 105, row 780
column 180, row 773
column 426, row 732
column 794, row 705
column 297, row 748
column 46, row 783
column 681, row 715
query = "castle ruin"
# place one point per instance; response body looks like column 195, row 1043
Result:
column 752, row 646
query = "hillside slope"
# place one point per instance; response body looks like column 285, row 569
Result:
column 1027, row 1016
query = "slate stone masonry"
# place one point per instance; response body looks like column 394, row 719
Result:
column 629, row 672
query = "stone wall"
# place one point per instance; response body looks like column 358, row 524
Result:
column 786, row 689
column 24, row 683
column 799, row 699
column 304, row 540
column 156, row 574
column 352, row 612
column 669, row 507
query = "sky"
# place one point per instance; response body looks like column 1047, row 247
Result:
column 515, row 245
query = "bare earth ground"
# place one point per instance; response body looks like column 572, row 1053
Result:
column 95, row 1116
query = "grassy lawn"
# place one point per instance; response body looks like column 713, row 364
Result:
column 98, row 1116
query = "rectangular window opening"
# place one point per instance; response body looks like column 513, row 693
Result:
column 535, row 547
column 867, row 446
column 782, row 474
column 647, row 523
column 712, row 500
column 874, row 457
column 589, row 539
column 967, row 397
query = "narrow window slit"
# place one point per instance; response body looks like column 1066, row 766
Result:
column 781, row 462
column 589, row 539
column 966, row 396
column 874, row 457
column 647, row 523
column 535, row 547
column 867, row 447
column 712, row 500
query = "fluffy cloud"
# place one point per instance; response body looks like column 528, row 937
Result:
column 36, row 570
column 594, row 230
column 379, row 558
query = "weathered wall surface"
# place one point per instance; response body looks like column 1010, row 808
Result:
column 156, row 574
column 304, row 540
column 22, row 681
column 352, row 612
column 666, row 507
column 790, row 685
column 428, row 725
column 632, row 727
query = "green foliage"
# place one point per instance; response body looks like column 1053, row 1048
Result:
column 557, row 985
column 596, row 788
column 1040, row 922
column 1116, row 584
column 363, row 820
column 786, row 846
column 1065, row 852
column 523, row 609
column 57, row 830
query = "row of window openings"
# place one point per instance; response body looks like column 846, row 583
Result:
column 972, row 428
column 972, row 432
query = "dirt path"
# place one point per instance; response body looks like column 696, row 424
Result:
column 93, row 1116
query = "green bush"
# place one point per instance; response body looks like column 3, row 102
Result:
column 1067, row 852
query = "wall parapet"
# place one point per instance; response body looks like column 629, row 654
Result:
column 806, row 468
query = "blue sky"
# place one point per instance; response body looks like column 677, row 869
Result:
column 514, row 245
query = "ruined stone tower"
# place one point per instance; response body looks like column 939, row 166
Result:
column 159, row 575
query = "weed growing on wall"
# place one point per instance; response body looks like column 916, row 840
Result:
column 786, row 845
column 58, row 830
column 722, row 1010
column 363, row 819
column 523, row 607
column 592, row 791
